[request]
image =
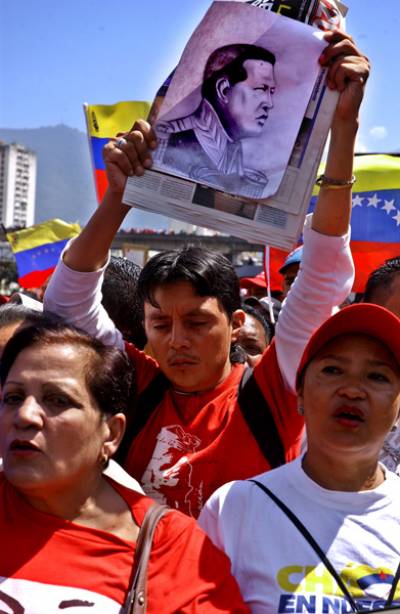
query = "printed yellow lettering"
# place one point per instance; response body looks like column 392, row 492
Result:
column 319, row 577
column 284, row 577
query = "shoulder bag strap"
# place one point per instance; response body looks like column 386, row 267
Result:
column 142, row 409
column 137, row 598
column 260, row 420
column 307, row 535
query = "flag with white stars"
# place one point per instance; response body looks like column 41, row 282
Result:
column 375, row 219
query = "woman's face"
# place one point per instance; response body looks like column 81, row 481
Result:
column 52, row 434
column 351, row 395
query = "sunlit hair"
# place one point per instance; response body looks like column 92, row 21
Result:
column 381, row 280
column 108, row 372
column 12, row 313
column 227, row 62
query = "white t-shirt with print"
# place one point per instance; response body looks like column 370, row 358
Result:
column 278, row 571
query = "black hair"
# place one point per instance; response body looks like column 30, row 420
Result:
column 108, row 372
column 228, row 62
column 120, row 299
column 381, row 279
column 210, row 273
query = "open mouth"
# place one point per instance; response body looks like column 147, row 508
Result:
column 23, row 446
column 349, row 416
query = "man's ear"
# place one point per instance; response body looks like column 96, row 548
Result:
column 222, row 87
column 238, row 318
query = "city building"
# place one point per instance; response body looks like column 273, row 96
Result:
column 17, row 185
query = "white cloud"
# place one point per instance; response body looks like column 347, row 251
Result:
column 378, row 132
column 361, row 147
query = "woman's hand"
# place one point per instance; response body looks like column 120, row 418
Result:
column 348, row 71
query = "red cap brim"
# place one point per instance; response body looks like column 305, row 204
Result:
column 362, row 318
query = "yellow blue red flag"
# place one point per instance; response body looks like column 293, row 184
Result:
column 106, row 121
column 38, row 248
column 375, row 218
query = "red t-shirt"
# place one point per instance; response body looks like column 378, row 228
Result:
column 49, row 564
column 192, row 444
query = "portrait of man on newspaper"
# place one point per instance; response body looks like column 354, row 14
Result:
column 215, row 125
column 237, row 94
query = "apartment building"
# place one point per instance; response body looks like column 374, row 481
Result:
column 17, row 185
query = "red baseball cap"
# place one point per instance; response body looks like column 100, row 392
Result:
column 362, row 318
column 257, row 281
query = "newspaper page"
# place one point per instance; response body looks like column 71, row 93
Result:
column 278, row 219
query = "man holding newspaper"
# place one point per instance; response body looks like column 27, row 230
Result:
column 204, row 429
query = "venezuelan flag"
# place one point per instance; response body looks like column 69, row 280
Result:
column 38, row 248
column 375, row 219
column 104, row 122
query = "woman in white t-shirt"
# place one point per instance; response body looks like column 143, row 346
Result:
column 349, row 389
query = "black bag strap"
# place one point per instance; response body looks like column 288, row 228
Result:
column 307, row 535
column 314, row 545
column 258, row 416
column 144, row 406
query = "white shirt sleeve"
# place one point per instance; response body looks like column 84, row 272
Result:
column 324, row 280
column 77, row 296
column 210, row 516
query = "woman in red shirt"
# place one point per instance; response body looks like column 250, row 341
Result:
column 68, row 533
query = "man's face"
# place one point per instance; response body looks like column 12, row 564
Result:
column 190, row 336
column 248, row 102
column 252, row 336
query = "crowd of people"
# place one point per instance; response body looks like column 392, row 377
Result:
column 170, row 448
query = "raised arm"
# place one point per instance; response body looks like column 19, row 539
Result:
column 326, row 272
column 74, row 291
column 123, row 157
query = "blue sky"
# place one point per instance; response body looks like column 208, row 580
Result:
column 55, row 55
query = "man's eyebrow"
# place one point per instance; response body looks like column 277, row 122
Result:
column 198, row 311
column 75, row 603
